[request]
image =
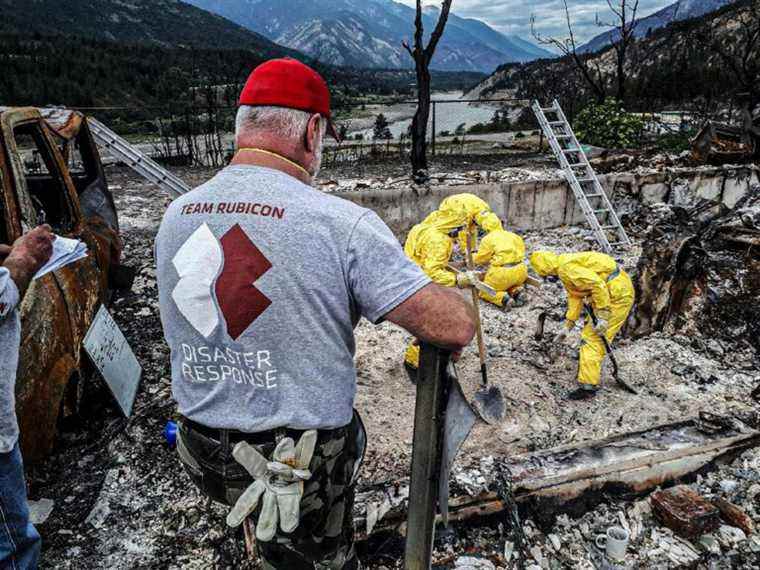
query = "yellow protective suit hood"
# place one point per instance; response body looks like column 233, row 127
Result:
column 490, row 222
column 448, row 220
column 544, row 263
column 470, row 203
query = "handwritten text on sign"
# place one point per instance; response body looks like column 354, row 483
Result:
column 110, row 353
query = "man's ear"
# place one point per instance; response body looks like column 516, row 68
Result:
column 312, row 130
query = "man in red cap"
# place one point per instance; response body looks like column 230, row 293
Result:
column 262, row 279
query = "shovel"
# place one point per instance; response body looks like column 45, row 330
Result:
column 489, row 401
column 622, row 383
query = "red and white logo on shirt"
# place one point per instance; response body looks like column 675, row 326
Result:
column 216, row 281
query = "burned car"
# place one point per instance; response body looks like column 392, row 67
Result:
column 50, row 171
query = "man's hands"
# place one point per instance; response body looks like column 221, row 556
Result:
column 28, row 254
column 35, row 247
column 562, row 335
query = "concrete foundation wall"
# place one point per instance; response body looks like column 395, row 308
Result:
column 550, row 203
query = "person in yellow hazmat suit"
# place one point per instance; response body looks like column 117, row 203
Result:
column 475, row 208
column 505, row 252
column 430, row 244
column 596, row 279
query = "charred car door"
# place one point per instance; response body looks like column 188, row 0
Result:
column 58, row 308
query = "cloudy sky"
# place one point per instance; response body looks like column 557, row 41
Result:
column 513, row 16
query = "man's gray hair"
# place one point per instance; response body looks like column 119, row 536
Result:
column 287, row 123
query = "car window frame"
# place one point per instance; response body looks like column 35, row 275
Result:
column 9, row 215
column 11, row 121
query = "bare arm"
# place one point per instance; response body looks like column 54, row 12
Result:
column 438, row 315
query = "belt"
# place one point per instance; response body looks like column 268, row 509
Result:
column 261, row 437
column 615, row 274
column 510, row 265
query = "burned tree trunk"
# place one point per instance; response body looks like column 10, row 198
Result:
column 422, row 56
column 419, row 125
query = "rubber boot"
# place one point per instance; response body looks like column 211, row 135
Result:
column 519, row 299
column 583, row 392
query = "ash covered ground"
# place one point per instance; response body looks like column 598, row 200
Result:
column 123, row 501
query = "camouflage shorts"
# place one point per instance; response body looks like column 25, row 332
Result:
column 324, row 537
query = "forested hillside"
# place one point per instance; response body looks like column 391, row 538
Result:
column 168, row 23
column 695, row 63
column 82, row 72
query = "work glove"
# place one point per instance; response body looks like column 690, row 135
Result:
column 561, row 336
column 601, row 326
column 280, row 482
column 466, row 279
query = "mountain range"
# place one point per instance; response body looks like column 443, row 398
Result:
column 681, row 10
column 369, row 33
column 166, row 23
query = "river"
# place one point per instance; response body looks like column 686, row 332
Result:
column 448, row 115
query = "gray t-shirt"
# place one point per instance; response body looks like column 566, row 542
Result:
column 10, row 337
column 261, row 281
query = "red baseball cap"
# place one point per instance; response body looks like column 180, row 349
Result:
column 289, row 83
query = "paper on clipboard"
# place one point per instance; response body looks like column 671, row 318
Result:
column 65, row 252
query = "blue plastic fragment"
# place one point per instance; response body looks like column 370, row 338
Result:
column 170, row 433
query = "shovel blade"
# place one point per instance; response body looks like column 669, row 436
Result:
column 457, row 425
column 490, row 404
column 624, row 385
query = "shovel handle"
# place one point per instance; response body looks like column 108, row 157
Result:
column 478, row 322
column 613, row 360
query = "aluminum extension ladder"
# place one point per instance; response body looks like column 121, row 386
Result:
column 136, row 160
column 580, row 175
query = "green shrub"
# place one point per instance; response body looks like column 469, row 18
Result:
column 608, row 125
column 674, row 142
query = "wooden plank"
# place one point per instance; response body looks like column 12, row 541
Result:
column 685, row 512
column 426, row 456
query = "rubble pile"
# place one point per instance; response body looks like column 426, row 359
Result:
column 569, row 543
column 121, row 499
column 700, row 272
column 444, row 179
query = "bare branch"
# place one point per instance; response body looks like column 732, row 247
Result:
column 569, row 26
column 559, row 44
column 435, row 37
column 568, row 48
column 418, row 29
column 405, row 45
